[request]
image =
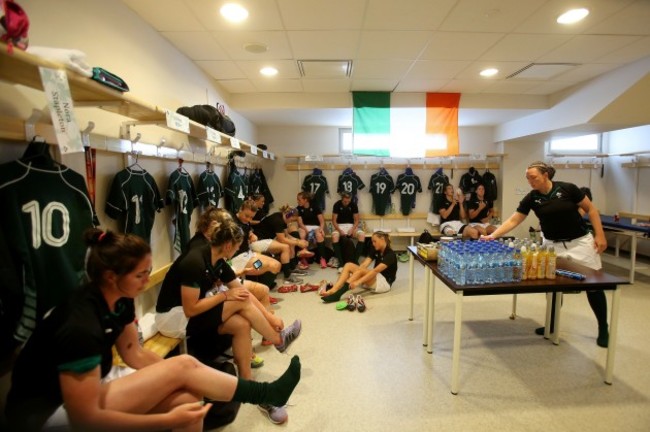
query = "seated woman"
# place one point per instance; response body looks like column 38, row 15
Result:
column 58, row 376
column 272, row 237
column 258, row 200
column 345, row 225
column 481, row 211
column 379, row 278
column 452, row 214
column 311, row 225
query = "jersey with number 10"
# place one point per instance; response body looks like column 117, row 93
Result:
column 133, row 200
column 46, row 211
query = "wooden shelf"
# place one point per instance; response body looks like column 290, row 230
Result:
column 305, row 166
column 22, row 68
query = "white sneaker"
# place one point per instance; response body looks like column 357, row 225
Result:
column 277, row 415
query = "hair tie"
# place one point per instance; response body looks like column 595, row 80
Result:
column 101, row 236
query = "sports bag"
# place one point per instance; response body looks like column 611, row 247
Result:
column 425, row 237
column 207, row 115
column 228, row 126
column 14, row 26
column 221, row 413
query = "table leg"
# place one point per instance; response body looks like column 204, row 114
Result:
column 425, row 318
column 432, row 302
column 618, row 245
column 547, row 321
column 455, row 364
column 613, row 333
column 411, row 284
column 556, row 324
column 633, row 257
column 513, row 315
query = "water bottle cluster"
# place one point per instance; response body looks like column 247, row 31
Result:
column 491, row 262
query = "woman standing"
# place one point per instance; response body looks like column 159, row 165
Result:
column 557, row 206
column 68, row 355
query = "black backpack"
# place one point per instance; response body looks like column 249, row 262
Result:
column 207, row 115
column 228, row 126
column 425, row 237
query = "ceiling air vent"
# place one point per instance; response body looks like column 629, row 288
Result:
column 542, row 71
column 325, row 69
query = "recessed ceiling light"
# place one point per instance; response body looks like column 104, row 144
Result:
column 489, row 72
column 268, row 71
column 572, row 16
column 233, row 12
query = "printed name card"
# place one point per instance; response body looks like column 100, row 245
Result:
column 177, row 122
column 212, row 135
column 57, row 91
column 234, row 143
column 254, row 150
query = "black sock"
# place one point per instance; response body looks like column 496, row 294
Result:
column 337, row 252
column 358, row 251
column 321, row 249
column 337, row 295
column 275, row 393
column 286, row 270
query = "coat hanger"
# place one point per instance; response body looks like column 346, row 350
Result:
column 135, row 166
column 38, row 154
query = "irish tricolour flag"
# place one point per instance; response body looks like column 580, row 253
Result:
column 408, row 125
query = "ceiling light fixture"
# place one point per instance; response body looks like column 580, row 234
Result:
column 573, row 16
column 269, row 71
column 233, row 12
column 489, row 72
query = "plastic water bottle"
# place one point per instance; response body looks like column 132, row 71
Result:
column 517, row 266
column 534, row 254
column 541, row 263
column 551, row 264
column 525, row 262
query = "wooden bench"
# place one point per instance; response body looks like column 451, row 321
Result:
column 158, row 343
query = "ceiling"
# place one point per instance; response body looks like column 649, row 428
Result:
column 400, row 46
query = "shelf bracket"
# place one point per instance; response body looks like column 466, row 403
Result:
column 30, row 123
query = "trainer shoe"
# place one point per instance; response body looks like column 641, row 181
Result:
column 288, row 289
column 361, row 304
column 277, row 415
column 257, row 362
column 333, row 262
column 299, row 272
column 352, row 304
column 323, row 263
column 305, row 254
column 303, row 265
column 308, row 288
column 292, row 280
column 288, row 335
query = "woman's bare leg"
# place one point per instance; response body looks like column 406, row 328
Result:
column 242, row 349
column 348, row 270
column 252, row 313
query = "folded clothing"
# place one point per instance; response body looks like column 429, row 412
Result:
column 73, row 59
column 147, row 325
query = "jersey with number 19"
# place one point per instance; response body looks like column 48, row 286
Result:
column 46, row 211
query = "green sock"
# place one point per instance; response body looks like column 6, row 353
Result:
column 337, row 295
column 275, row 393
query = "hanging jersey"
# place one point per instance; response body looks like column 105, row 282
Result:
column 350, row 183
column 235, row 190
column 133, row 200
column 490, row 183
column 437, row 184
column 317, row 186
column 182, row 195
column 381, row 188
column 46, row 211
column 469, row 181
column 408, row 186
column 209, row 189
column 266, row 191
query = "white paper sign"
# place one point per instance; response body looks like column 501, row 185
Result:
column 234, row 143
column 57, row 91
column 271, row 156
column 254, row 150
column 212, row 135
column 177, row 122
column 265, row 155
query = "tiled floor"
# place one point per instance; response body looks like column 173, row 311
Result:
column 369, row 372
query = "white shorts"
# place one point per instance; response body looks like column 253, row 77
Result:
column 239, row 262
column 451, row 227
column 580, row 250
column 433, row 219
column 381, row 285
column 261, row 246
column 172, row 323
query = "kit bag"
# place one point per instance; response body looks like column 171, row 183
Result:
column 14, row 25
column 207, row 115
column 425, row 237
column 228, row 126
column 221, row 413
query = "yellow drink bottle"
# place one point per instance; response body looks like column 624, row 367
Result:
column 551, row 263
column 541, row 263
column 534, row 254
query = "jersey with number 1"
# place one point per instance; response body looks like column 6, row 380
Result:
column 381, row 187
column 209, row 189
column 133, row 200
column 408, row 186
column 316, row 185
column 46, row 211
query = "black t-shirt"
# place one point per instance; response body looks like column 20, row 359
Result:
column 390, row 259
column 557, row 211
column 474, row 204
column 345, row 214
column 270, row 226
column 309, row 215
column 76, row 336
column 455, row 213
